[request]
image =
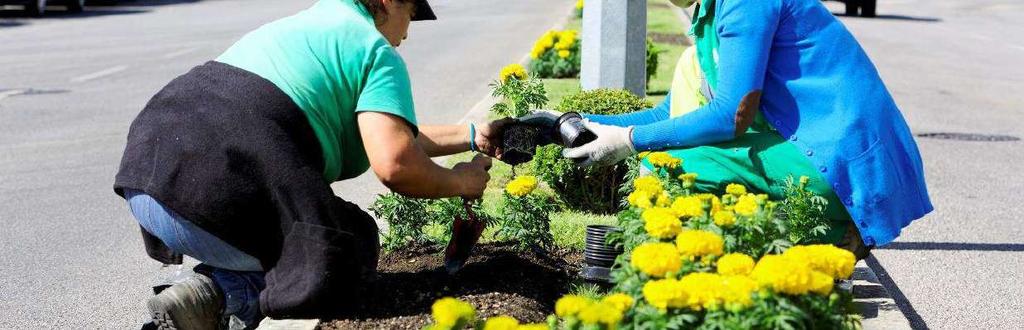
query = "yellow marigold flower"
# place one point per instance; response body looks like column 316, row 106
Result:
column 570, row 305
column 664, row 294
column 449, row 312
column 738, row 293
column 735, row 264
column 648, row 184
column 804, row 180
column 689, row 206
column 656, row 259
column 501, row 322
column 664, row 200
column 579, row 4
column 698, row 243
column 783, row 275
column 746, row 205
column 664, row 160
column 547, row 41
column 761, row 198
column 689, row 180
column 716, row 204
column 661, row 222
column 620, row 301
column 640, row 199
column 563, row 53
column 533, row 326
column 600, row 314
column 736, row 189
column 833, row 261
column 821, row 283
column 725, row 218
column 537, row 52
column 703, row 290
column 514, row 70
column 521, row 185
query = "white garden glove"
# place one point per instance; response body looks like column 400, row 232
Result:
column 541, row 118
column 612, row 145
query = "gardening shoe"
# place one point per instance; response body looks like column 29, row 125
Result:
column 193, row 304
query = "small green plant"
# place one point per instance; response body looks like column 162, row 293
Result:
column 803, row 211
column 525, row 216
column 594, row 189
column 406, row 218
column 518, row 93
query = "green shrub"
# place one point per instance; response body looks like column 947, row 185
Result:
column 587, row 189
column 653, row 51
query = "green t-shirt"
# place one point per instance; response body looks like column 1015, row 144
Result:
column 333, row 63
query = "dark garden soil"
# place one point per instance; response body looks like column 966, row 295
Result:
column 497, row 280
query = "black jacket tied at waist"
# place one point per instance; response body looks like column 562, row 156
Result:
column 229, row 151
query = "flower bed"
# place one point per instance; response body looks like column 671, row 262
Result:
column 696, row 260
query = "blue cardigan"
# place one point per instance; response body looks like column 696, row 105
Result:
column 822, row 93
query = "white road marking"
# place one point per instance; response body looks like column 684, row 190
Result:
column 180, row 52
column 1017, row 47
column 13, row 92
column 99, row 74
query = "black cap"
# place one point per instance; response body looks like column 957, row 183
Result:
column 423, row 11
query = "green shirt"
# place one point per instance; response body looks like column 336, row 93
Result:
column 333, row 63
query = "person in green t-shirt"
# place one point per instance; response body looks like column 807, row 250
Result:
column 231, row 164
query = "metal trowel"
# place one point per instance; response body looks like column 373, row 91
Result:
column 465, row 234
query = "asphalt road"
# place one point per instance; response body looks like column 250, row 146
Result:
column 955, row 66
column 70, row 254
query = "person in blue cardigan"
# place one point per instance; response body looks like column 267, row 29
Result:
column 777, row 89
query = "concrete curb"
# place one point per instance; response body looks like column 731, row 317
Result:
column 877, row 306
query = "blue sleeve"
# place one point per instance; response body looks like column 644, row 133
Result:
column 745, row 30
column 644, row 117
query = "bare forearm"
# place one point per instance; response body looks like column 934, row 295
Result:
column 443, row 140
column 417, row 176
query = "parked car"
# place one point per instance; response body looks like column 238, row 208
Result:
column 38, row 7
column 866, row 7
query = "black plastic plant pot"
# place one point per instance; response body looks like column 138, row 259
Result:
column 598, row 256
column 519, row 143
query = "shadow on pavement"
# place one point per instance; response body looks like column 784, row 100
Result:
column 59, row 14
column 7, row 24
column 915, row 319
column 940, row 246
column 922, row 19
column 145, row 3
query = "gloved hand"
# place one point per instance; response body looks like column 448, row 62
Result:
column 613, row 144
column 541, row 118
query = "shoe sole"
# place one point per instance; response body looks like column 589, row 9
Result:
column 163, row 321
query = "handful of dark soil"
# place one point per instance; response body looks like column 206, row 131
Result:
column 519, row 142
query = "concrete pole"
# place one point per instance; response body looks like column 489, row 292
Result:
column 614, row 45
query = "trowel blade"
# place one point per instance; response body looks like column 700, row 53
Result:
column 465, row 234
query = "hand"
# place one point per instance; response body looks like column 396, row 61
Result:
column 488, row 136
column 473, row 176
column 541, row 117
column 613, row 144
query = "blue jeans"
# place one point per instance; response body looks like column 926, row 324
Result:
column 239, row 275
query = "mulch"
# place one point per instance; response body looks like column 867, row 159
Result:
column 497, row 280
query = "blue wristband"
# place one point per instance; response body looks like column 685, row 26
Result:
column 472, row 137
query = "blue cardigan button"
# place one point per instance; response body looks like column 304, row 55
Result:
column 823, row 170
column 810, row 153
